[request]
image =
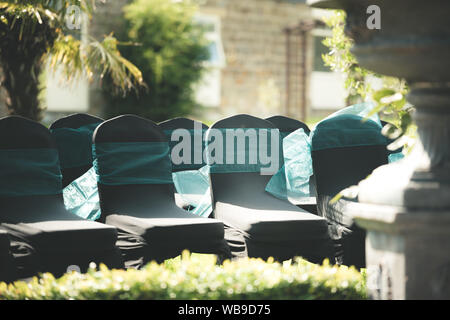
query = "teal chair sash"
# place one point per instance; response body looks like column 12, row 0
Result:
column 193, row 141
column 244, row 150
column 117, row 164
column 29, row 172
column 122, row 163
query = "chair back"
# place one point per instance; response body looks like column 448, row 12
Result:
column 345, row 150
column 73, row 136
column 131, row 158
column 288, row 125
column 30, row 177
column 244, row 185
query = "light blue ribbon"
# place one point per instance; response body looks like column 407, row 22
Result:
column 194, row 188
column 81, row 196
column 292, row 180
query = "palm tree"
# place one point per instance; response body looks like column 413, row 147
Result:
column 36, row 32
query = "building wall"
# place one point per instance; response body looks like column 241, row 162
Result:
column 254, row 41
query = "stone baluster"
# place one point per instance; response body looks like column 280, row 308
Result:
column 405, row 206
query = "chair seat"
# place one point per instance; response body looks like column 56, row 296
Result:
column 282, row 234
column 143, row 239
column 289, row 224
column 180, row 229
column 64, row 235
column 51, row 245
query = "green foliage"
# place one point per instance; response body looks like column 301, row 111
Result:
column 390, row 99
column 170, row 49
column 341, row 59
column 194, row 277
column 32, row 32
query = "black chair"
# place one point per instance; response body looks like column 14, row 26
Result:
column 44, row 236
column 8, row 268
column 184, row 123
column 151, row 226
column 336, row 169
column 286, row 126
column 74, row 121
column 258, row 224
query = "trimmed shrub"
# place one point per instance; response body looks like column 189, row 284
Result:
column 197, row 277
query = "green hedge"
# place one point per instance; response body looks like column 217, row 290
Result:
column 199, row 277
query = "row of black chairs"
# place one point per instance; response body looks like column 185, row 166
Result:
column 140, row 223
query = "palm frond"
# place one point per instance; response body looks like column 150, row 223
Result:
column 32, row 31
column 75, row 59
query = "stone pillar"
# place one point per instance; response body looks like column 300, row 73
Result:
column 405, row 206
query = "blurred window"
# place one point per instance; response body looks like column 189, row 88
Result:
column 319, row 50
column 211, row 26
column 208, row 90
column 326, row 89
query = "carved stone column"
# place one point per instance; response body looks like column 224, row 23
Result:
column 405, row 206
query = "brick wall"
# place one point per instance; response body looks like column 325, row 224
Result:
column 254, row 79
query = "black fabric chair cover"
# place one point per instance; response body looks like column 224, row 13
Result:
column 151, row 226
column 288, row 125
column 189, row 124
column 44, row 236
column 335, row 170
column 74, row 121
column 258, row 224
